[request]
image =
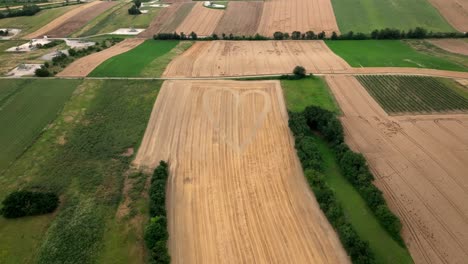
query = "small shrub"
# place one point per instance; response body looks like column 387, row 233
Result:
column 134, row 10
column 24, row 203
column 299, row 72
column 42, row 72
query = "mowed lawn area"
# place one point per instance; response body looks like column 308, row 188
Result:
column 135, row 62
column 388, row 53
column 26, row 107
column 305, row 92
column 367, row 15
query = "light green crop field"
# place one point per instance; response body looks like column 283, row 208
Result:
column 26, row 107
column 367, row 15
column 133, row 62
column 388, row 53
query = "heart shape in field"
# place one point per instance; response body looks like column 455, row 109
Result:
column 251, row 125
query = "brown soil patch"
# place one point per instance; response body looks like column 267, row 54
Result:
column 454, row 11
column 201, row 20
column 72, row 20
column 297, row 15
column 83, row 66
column 240, row 19
column 236, row 192
column 240, row 58
column 452, row 45
column 420, row 164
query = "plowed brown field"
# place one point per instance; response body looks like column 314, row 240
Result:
column 240, row 19
column 297, row 15
column 454, row 11
column 83, row 66
column 236, row 58
column 453, row 45
column 201, row 20
column 236, row 191
column 421, row 165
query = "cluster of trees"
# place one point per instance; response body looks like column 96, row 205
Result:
column 193, row 36
column 135, row 9
column 156, row 234
column 27, row 10
column 24, row 203
column 49, row 45
column 175, row 36
column 296, row 35
column 353, row 167
column 312, row 164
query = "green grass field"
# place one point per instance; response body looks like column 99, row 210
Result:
column 310, row 91
column 388, row 53
column 133, row 62
column 26, row 107
column 414, row 94
column 367, row 15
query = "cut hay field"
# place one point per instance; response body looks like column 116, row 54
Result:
column 133, row 62
column 419, row 163
column 201, row 20
column 388, row 53
column 240, row 19
column 83, row 156
column 236, row 190
column 367, row 15
column 455, row 11
column 237, row 58
column 26, row 108
column 297, row 15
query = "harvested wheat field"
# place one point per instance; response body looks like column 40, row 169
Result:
column 297, row 15
column 236, row 191
column 168, row 19
column 201, row 20
column 453, row 45
column 61, row 20
column 83, row 66
column 454, row 11
column 240, row 19
column 241, row 58
column 420, row 163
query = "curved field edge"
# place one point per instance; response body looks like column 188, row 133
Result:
column 82, row 157
column 388, row 53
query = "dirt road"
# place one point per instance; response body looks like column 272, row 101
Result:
column 236, row 191
column 420, row 163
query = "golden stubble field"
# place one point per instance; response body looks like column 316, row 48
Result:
column 236, row 191
column 420, row 163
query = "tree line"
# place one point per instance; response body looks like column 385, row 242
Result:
column 156, row 234
column 27, row 10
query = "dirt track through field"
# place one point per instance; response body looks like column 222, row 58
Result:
column 236, row 191
column 420, row 163
column 240, row 19
column 454, row 11
column 201, row 20
column 297, row 15
column 237, row 58
column 452, row 45
column 84, row 66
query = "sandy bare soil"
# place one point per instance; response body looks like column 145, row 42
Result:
column 83, row 66
column 421, row 165
column 297, row 15
column 236, row 191
column 201, row 20
column 454, row 11
column 56, row 23
column 240, row 19
column 236, row 58
column 452, row 45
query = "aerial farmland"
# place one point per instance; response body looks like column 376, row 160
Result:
column 238, row 131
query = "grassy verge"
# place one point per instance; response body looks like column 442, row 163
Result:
column 388, row 53
column 427, row 48
column 367, row 15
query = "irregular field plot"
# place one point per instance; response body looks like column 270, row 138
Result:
column 132, row 63
column 236, row 58
column 26, row 107
column 168, row 19
column 453, row 45
column 297, row 15
column 240, row 19
column 412, row 94
column 367, row 15
column 420, row 164
column 387, row 53
column 236, row 191
column 201, row 20
column 455, row 11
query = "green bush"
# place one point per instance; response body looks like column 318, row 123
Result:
column 24, row 203
column 42, row 72
column 299, row 72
